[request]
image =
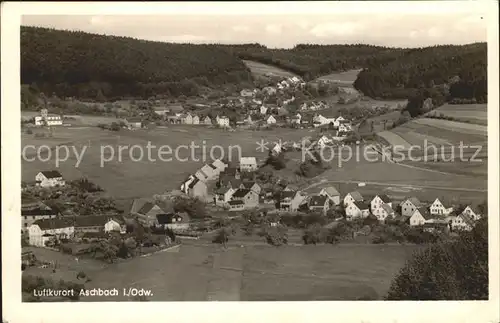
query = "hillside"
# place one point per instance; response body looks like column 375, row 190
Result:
column 107, row 67
column 455, row 72
column 446, row 72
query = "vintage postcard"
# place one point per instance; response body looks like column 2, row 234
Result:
column 266, row 157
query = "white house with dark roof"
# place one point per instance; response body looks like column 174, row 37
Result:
column 410, row 205
column 319, row 203
column 33, row 210
column 42, row 231
column 462, row 222
column 248, row 197
column 248, row 164
column 438, row 207
column 236, row 205
column 50, row 178
column 223, row 195
column 332, row 193
column 357, row 209
column 419, row 217
column 353, row 197
column 291, row 200
column 472, row 212
column 377, row 202
column 385, row 212
column 222, row 121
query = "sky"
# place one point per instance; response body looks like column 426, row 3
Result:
column 407, row 27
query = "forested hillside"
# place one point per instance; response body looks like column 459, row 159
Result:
column 450, row 72
column 103, row 67
column 455, row 72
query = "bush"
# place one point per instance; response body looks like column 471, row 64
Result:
column 313, row 234
column 29, row 131
column 455, row 270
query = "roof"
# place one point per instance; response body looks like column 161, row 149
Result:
column 356, row 196
column 92, row 220
column 248, row 185
column 384, row 198
column 332, row 191
column 37, row 211
column 415, row 201
column 146, row 208
column 236, row 202
column 362, row 205
column 167, row 218
column 137, row 204
column 387, row 208
column 248, row 160
column 47, row 224
column 318, row 200
column 51, row 173
column 222, row 190
column 474, row 209
column 467, row 219
column 176, row 108
column 285, row 194
column 242, row 192
column 134, row 119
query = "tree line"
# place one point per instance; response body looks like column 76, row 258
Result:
column 99, row 67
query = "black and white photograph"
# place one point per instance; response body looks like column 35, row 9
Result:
column 262, row 151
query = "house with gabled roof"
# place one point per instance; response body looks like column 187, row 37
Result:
column 186, row 118
column 438, row 207
column 462, row 222
column 207, row 173
column 472, row 211
column 219, row 165
column 249, row 197
column 385, row 212
column 251, row 185
column 223, row 195
column 44, row 230
column 206, row 121
column 332, row 194
column 357, row 209
column 146, row 215
column 33, row 210
column 353, row 197
column 410, row 205
column 196, row 119
column 99, row 223
column 248, row 164
column 236, row 205
column 291, row 200
column 197, row 189
column 319, row 203
column 377, row 202
column 419, row 217
column 49, row 178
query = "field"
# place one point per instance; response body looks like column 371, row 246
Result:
column 472, row 113
column 260, row 69
column 129, row 176
column 342, row 78
column 199, row 272
column 442, row 139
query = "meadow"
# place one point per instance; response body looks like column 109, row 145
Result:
column 128, row 177
column 260, row 69
column 198, row 272
column 471, row 113
column 342, row 78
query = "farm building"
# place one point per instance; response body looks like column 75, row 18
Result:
column 98, row 223
column 248, row 197
column 49, row 178
column 48, row 120
column 42, row 231
column 33, row 210
column 248, row 164
column 172, row 221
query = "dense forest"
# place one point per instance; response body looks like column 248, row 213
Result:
column 455, row 72
column 83, row 65
column 78, row 64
